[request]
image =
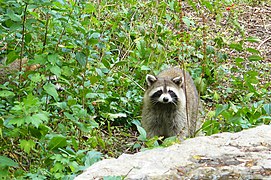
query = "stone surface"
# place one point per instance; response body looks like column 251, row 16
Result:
column 242, row 155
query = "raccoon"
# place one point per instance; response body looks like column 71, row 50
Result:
column 166, row 105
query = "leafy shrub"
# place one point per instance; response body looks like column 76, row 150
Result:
column 100, row 53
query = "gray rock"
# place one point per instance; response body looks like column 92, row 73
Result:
column 242, row 155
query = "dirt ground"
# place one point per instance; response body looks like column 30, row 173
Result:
column 257, row 22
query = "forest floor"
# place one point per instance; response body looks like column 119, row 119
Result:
column 254, row 21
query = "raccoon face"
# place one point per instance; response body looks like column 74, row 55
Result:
column 164, row 90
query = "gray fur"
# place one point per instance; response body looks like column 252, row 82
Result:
column 170, row 119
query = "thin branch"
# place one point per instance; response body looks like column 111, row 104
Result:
column 264, row 41
column 134, row 81
column 23, row 33
column 46, row 31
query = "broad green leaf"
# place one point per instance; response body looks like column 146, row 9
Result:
column 254, row 58
column 6, row 93
column 28, row 38
column 92, row 157
column 141, row 130
column 57, row 141
column 53, row 58
column 13, row 16
column 99, row 72
column 145, row 68
column 40, row 59
column 51, row 90
column 39, row 119
column 26, row 146
column 90, row 8
column 75, row 144
column 56, row 70
column 5, row 161
column 29, row 119
column 12, row 55
column 74, row 166
column 17, row 120
column 220, row 108
column 81, row 58
column 93, row 79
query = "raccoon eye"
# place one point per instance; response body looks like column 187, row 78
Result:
column 157, row 94
column 172, row 94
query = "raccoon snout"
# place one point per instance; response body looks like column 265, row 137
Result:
column 165, row 99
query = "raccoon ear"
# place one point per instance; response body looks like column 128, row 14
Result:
column 150, row 79
column 178, row 80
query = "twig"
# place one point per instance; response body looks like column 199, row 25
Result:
column 134, row 81
column 264, row 41
column 46, row 31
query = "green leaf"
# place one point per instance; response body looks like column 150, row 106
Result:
column 51, row 90
column 112, row 116
column 252, row 50
column 28, row 38
column 12, row 55
column 237, row 47
column 234, row 108
column 267, row 108
column 6, row 93
column 254, row 58
column 58, row 141
column 170, row 141
column 95, row 35
column 17, row 120
column 53, row 58
column 56, row 70
column 90, row 8
column 239, row 60
column 5, row 161
column 252, row 39
column 141, row 130
column 81, row 58
column 26, row 146
column 112, row 178
column 40, row 59
column 13, row 16
column 220, row 108
column 188, row 22
column 145, row 68
column 92, row 157
column 39, row 118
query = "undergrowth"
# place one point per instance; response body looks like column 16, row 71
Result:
column 100, row 53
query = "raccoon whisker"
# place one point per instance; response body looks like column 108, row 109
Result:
column 154, row 102
column 175, row 104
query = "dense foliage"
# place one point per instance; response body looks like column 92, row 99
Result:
column 100, row 52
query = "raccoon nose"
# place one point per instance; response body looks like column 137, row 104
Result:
column 165, row 99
